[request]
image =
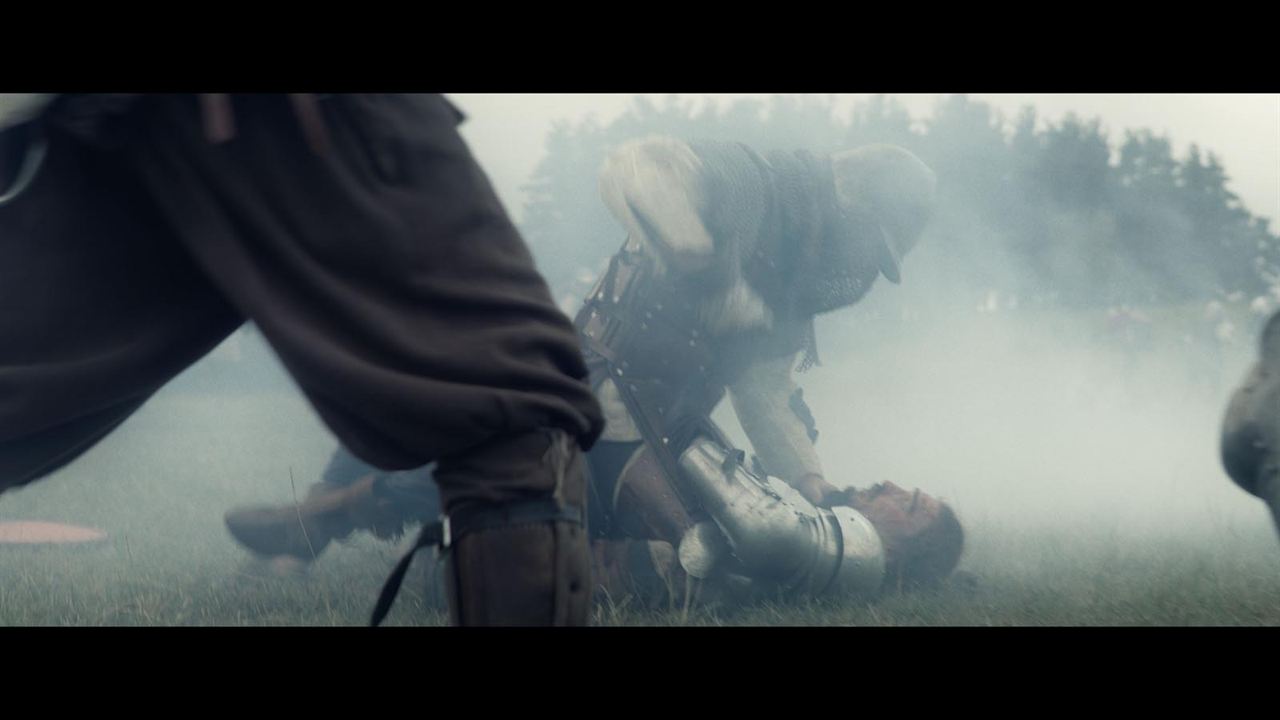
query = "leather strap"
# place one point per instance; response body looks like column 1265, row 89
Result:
column 450, row 528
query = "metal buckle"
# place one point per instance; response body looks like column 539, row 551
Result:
column 446, row 535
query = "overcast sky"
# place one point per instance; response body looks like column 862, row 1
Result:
column 506, row 132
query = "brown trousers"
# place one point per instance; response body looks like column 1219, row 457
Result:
column 384, row 273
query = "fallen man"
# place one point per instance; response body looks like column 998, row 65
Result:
column 774, row 543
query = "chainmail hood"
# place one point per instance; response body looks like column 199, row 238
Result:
column 779, row 216
column 831, row 254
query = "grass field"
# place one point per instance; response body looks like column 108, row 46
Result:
column 1083, row 506
column 1010, row 577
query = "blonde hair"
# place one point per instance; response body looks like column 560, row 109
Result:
column 653, row 187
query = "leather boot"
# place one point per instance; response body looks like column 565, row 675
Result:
column 523, row 562
column 330, row 512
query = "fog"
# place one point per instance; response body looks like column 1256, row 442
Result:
column 968, row 381
column 1028, row 417
column 971, row 379
column 506, row 131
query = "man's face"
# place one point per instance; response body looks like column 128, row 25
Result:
column 922, row 538
column 897, row 514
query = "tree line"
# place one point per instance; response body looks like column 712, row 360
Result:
column 1059, row 213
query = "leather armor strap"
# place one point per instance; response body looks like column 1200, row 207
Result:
column 449, row 528
column 599, row 323
column 622, row 302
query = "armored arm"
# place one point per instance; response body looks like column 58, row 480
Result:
column 773, row 535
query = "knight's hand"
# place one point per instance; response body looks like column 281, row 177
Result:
column 837, row 498
column 817, row 490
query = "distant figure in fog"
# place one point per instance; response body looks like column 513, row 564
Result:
column 1128, row 330
column 1251, row 428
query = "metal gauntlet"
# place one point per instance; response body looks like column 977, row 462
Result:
column 779, row 539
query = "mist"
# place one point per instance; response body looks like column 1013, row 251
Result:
column 1066, row 335
column 1064, row 388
